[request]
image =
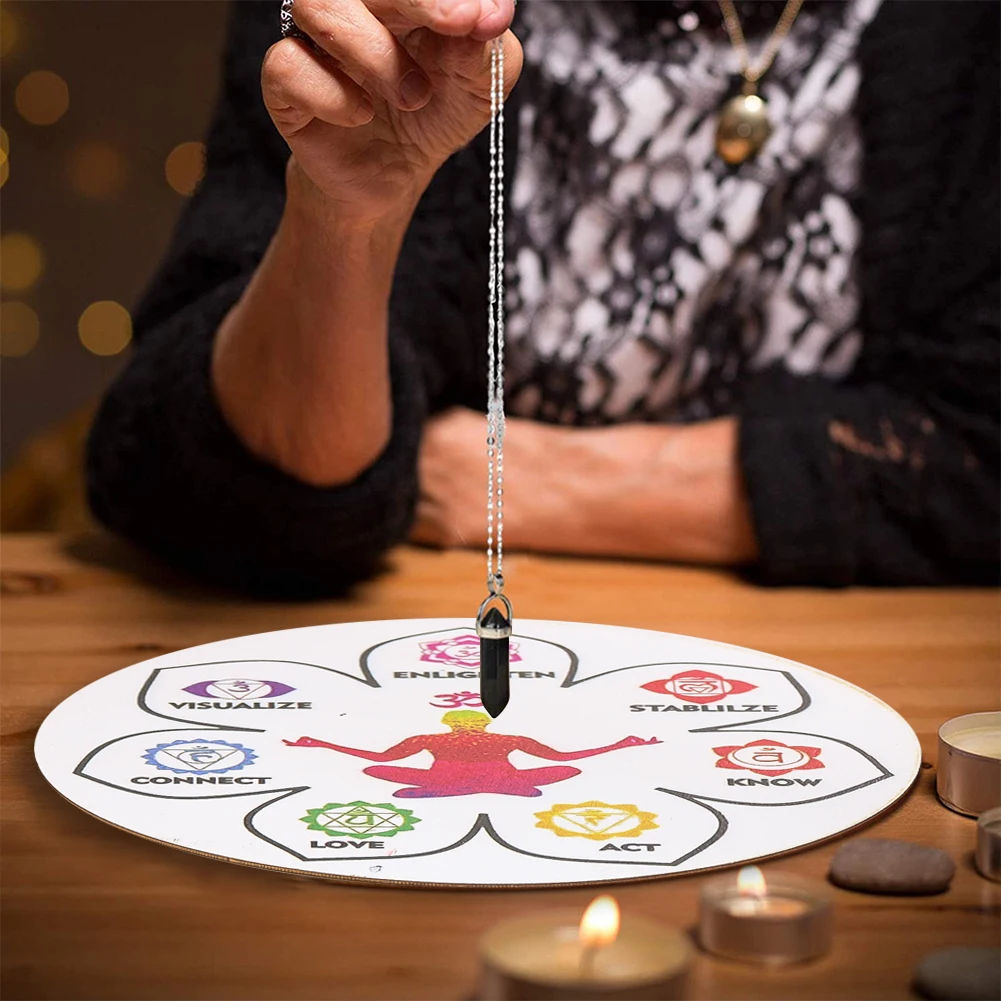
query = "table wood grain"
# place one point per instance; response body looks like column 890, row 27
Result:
column 93, row 912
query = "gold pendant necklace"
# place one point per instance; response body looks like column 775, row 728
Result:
column 743, row 126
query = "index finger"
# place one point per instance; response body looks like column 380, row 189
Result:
column 494, row 21
column 481, row 19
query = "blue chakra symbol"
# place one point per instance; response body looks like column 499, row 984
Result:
column 203, row 757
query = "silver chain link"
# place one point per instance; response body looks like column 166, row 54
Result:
column 496, row 418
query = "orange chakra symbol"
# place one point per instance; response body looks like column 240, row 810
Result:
column 596, row 821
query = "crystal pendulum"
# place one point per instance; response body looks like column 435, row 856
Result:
column 494, row 624
column 494, row 630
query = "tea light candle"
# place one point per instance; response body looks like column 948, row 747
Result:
column 969, row 763
column 558, row 956
column 988, row 853
column 785, row 920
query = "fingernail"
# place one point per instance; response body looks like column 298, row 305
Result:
column 415, row 89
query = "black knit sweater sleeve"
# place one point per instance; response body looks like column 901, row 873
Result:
column 892, row 477
column 163, row 467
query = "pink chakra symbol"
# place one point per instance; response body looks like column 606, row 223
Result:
column 458, row 651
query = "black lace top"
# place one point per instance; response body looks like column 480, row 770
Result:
column 649, row 279
column 888, row 474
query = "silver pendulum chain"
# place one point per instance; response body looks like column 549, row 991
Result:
column 496, row 420
column 493, row 627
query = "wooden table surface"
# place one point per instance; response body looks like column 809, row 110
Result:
column 93, row 912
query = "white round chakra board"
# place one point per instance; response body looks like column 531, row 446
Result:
column 360, row 751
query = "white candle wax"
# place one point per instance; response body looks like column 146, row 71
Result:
column 769, row 906
column 985, row 741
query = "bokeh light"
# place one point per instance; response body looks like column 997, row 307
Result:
column 185, row 166
column 10, row 32
column 4, row 157
column 18, row 329
column 97, row 169
column 105, row 328
column 42, row 97
column 20, row 261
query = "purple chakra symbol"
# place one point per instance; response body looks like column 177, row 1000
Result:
column 239, row 689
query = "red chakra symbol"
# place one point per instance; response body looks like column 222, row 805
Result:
column 768, row 757
column 698, row 686
column 458, row 651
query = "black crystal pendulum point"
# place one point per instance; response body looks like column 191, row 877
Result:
column 494, row 631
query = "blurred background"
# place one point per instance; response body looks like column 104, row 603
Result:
column 103, row 106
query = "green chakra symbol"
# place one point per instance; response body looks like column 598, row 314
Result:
column 360, row 820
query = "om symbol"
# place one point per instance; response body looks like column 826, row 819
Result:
column 456, row 699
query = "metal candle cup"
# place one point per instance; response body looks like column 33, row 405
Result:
column 988, row 853
column 543, row 957
column 969, row 763
column 781, row 920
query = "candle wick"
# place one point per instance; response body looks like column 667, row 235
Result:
column 587, row 957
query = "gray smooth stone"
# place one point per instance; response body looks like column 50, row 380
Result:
column 879, row 865
column 962, row 974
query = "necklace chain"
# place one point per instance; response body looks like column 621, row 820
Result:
column 496, row 418
column 752, row 74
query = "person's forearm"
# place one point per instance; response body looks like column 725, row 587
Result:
column 639, row 490
column 300, row 366
column 356, row 752
column 590, row 752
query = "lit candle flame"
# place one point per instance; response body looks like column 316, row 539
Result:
column 600, row 924
column 751, row 882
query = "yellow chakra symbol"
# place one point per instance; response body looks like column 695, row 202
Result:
column 596, row 821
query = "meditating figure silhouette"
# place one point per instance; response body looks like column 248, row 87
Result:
column 470, row 760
